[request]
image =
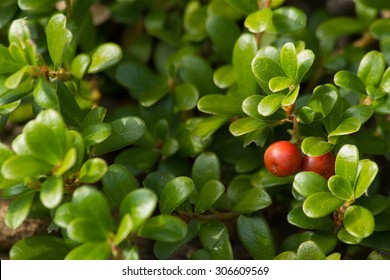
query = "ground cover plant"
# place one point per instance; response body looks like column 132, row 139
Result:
column 215, row 129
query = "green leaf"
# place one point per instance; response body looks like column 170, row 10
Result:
column 279, row 83
column 209, row 193
column 362, row 112
column 347, row 238
column 18, row 210
column 340, row 187
column 288, row 60
column 291, row 96
column 90, row 251
column 256, row 236
column 124, row 229
column 51, row 192
column 377, row 4
column 358, row 221
column 34, row 4
column 298, row 218
column 22, row 166
column 347, row 126
column 206, row 168
column 8, row 64
column 16, row 78
column 64, row 215
column 375, row 203
column 371, row 68
column 92, row 170
column 118, row 182
column 367, row 172
column 380, row 28
column 94, row 116
column 80, row 65
column 287, row 20
column 347, row 162
column 45, row 95
column 105, row 56
column 287, row 255
column 246, row 7
column 124, row 131
column 69, row 108
column 95, row 133
column 140, row 204
column 309, row 250
column 305, row 60
column 270, row 104
column 245, row 125
column 307, row 183
column 212, row 233
column 249, row 107
column 185, row 96
column 164, row 228
column 258, row 21
column 223, row 251
column 220, row 104
column 252, row 200
column 90, row 203
column 175, row 193
column 321, row 204
column 58, row 38
column 315, row 146
column 244, row 51
column 323, row 100
column 224, row 76
column 39, row 248
column 348, row 80
column 19, row 32
column 138, row 160
column 85, row 230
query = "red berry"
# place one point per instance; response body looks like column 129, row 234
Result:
column 283, row 158
column 322, row 165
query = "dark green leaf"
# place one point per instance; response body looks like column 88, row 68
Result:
column 321, row 204
column 186, row 96
column 206, row 167
column 45, row 95
column 175, row 193
column 377, row 4
column 156, row 181
column 348, row 80
column 358, row 221
column 307, row 183
column 164, row 228
column 323, row 100
column 220, row 104
column 124, row 132
column 209, row 193
column 39, row 248
column 252, row 200
column 256, row 236
column 8, row 64
column 371, row 68
column 18, row 210
column 138, row 160
column 298, row 218
column 85, row 230
column 212, row 233
column 90, row 251
column 245, row 125
column 287, row 20
column 69, row 108
column 246, row 7
column 380, row 28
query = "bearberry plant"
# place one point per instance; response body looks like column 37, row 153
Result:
column 215, row 129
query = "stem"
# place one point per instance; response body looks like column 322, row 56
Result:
column 68, row 7
column 295, row 134
column 262, row 4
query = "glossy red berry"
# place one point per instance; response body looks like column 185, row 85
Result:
column 322, row 165
column 283, row 158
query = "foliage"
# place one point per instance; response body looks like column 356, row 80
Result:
column 148, row 120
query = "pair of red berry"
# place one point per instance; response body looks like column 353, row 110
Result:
column 283, row 158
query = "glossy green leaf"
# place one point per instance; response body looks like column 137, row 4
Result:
column 9, row 65
column 219, row 104
column 39, row 248
column 367, row 172
column 307, row 183
column 209, row 193
column 85, row 230
column 287, row 20
column 95, row 134
column 362, row 112
column 358, row 221
column 249, row 107
column 69, row 108
column 195, row 16
column 290, row 98
column 16, row 78
column 371, row 68
column 287, row 255
column 321, row 204
column 315, row 146
column 244, row 51
column 223, row 251
column 340, row 187
column 264, row 179
column 309, row 250
column 58, row 38
column 347, row 126
column 18, row 210
column 348, row 80
column 45, row 95
column 279, row 83
column 322, row 101
column 175, row 193
column 246, row 7
column 347, row 238
column 245, row 125
column 206, row 168
column 164, row 228
column 124, row 229
column 156, row 181
column 347, row 162
column 212, row 233
column 185, row 96
column 19, row 32
column 138, row 160
column 288, row 60
column 258, row 21
column 34, row 4
column 140, row 204
column 270, row 104
column 256, row 236
column 64, row 215
column 94, row 116
column 92, row 170
column 22, row 166
column 104, row 57
column 298, row 218
column 90, row 251
column 375, row 203
column 252, row 200
column 224, row 76
column 118, row 182
column 51, row 192
column 377, row 4
column 80, row 65
column 305, row 60
column 124, row 131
